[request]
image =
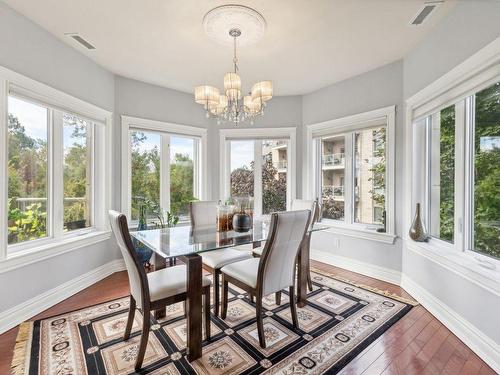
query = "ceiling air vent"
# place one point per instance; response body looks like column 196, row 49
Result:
column 82, row 41
column 424, row 13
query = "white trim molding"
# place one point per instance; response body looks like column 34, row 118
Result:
column 26, row 310
column 166, row 128
column 368, row 269
column 477, row 340
column 357, row 231
column 379, row 117
column 288, row 133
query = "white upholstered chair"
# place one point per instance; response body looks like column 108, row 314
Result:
column 204, row 213
column 153, row 290
column 274, row 270
column 299, row 204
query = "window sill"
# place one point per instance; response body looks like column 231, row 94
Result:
column 359, row 232
column 49, row 250
column 464, row 264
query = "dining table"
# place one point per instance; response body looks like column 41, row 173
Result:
column 188, row 243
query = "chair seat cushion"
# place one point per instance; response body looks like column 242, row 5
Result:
column 244, row 271
column 169, row 282
column 258, row 250
column 219, row 258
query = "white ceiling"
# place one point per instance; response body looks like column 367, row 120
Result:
column 308, row 44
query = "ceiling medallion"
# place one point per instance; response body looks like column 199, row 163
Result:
column 240, row 25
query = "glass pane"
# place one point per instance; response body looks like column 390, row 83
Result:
column 332, row 177
column 442, row 175
column 487, row 172
column 242, row 168
column 181, row 175
column 369, row 176
column 145, row 159
column 274, row 175
column 27, row 171
column 77, row 137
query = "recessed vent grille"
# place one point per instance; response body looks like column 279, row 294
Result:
column 82, row 41
column 424, row 13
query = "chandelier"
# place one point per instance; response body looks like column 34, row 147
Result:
column 231, row 106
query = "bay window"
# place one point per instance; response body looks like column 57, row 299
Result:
column 258, row 164
column 351, row 169
column 162, row 168
column 461, row 163
column 53, row 192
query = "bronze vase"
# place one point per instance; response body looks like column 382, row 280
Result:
column 417, row 230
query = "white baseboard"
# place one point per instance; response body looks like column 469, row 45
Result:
column 377, row 272
column 26, row 310
column 487, row 349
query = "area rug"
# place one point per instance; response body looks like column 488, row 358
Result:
column 340, row 320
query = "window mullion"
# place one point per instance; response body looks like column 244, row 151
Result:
column 55, row 195
column 460, row 174
column 3, row 168
column 468, row 179
column 165, row 172
column 196, row 169
column 257, row 187
column 349, row 193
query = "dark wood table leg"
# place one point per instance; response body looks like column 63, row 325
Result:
column 303, row 263
column 193, row 306
column 159, row 262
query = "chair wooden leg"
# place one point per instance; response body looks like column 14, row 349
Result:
column 223, row 313
column 144, row 337
column 130, row 319
column 216, row 277
column 260, row 324
column 309, row 279
column 278, row 298
column 206, row 308
column 293, row 307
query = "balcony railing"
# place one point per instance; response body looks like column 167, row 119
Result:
column 22, row 203
column 282, row 164
column 335, row 191
column 333, row 160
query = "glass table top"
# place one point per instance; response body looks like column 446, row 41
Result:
column 184, row 240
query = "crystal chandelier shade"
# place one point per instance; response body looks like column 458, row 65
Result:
column 232, row 106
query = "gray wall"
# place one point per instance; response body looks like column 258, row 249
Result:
column 375, row 89
column 28, row 49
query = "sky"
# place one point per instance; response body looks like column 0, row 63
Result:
column 241, row 154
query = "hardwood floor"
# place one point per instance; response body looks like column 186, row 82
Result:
column 416, row 344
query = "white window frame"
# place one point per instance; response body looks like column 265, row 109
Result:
column 256, row 134
column 311, row 175
column 166, row 130
column 12, row 83
column 454, row 88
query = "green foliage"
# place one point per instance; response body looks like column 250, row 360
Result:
column 181, row 184
column 26, row 225
column 273, row 188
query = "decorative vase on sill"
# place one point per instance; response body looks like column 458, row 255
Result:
column 417, row 230
column 143, row 252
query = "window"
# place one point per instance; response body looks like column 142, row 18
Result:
column 369, row 172
column 28, row 126
column 463, row 172
column 350, row 167
column 145, row 170
column 442, row 174
column 162, row 169
column 77, row 177
column 486, row 177
column 258, row 167
column 270, row 189
column 332, row 177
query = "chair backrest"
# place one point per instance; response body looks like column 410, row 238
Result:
column 203, row 213
column 277, row 263
column 136, row 274
column 304, row 204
